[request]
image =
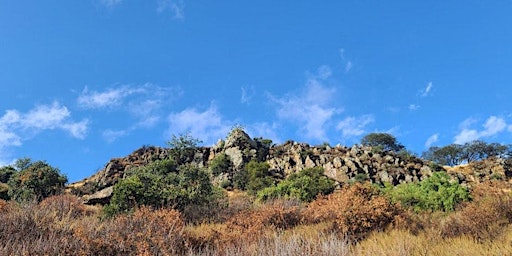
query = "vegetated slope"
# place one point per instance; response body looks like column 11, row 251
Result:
column 343, row 164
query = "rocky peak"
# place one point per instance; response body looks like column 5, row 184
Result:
column 238, row 138
column 240, row 148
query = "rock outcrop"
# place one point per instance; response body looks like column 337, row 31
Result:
column 343, row 164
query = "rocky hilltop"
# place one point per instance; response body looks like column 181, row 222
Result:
column 343, row 164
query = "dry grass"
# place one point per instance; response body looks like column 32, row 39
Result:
column 354, row 221
column 397, row 242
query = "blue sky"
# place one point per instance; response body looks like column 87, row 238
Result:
column 85, row 81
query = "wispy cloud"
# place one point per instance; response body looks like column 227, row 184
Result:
column 311, row 108
column 346, row 62
column 207, row 125
column 492, row 126
column 113, row 135
column 177, row 8
column 143, row 103
column 247, row 94
column 414, row 107
column 348, row 66
column 110, row 3
column 111, row 97
column 431, row 140
column 264, row 130
column 354, row 126
column 427, row 90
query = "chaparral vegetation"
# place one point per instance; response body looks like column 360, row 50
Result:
column 251, row 197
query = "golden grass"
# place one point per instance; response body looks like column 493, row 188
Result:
column 62, row 225
column 397, row 242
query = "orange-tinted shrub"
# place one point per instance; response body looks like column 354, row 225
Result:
column 481, row 220
column 355, row 211
column 4, row 206
column 145, row 232
column 279, row 214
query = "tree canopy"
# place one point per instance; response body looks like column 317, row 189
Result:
column 35, row 181
column 383, row 141
column 455, row 154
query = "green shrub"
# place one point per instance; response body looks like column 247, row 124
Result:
column 6, row 173
column 360, row 177
column 304, row 185
column 241, row 179
column 258, row 176
column 183, row 147
column 220, row 164
column 160, row 185
column 436, row 193
column 36, row 181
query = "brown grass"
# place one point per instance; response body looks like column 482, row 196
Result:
column 354, row 221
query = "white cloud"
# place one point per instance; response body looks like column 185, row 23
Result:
column 208, row 125
column 16, row 127
column 111, row 135
column 8, row 138
column 310, row 108
column 466, row 135
column 247, row 94
column 354, row 126
column 342, row 53
column 323, row 72
column 264, row 130
column 46, row 116
column 492, row 126
column 348, row 66
column 414, row 107
column 431, row 140
column 110, row 3
column 348, row 63
column 144, row 103
column 467, row 123
column 426, row 92
column 177, row 8
column 108, row 98
column 77, row 130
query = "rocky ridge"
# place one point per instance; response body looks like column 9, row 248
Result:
column 343, row 164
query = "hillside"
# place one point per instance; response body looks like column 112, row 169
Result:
column 343, row 164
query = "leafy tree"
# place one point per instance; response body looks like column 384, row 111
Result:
column 384, row 141
column 499, row 150
column 22, row 163
column 162, row 184
column 6, row 173
column 436, row 193
column 183, row 147
column 455, row 154
column 258, row 176
column 472, row 151
column 35, row 181
column 447, row 155
column 305, row 185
